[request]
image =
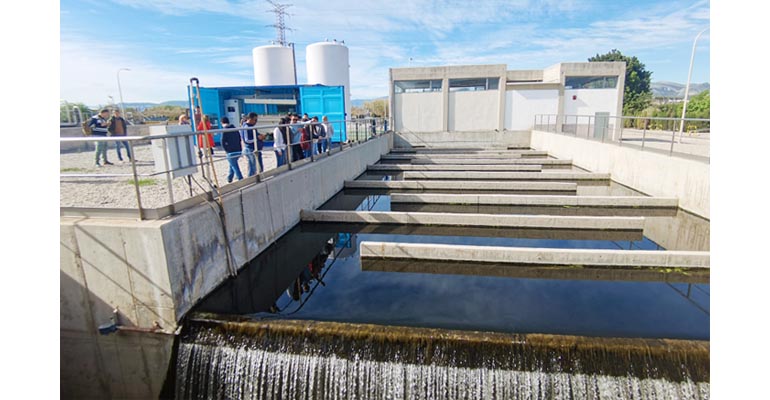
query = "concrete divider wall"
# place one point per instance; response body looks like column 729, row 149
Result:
column 652, row 173
column 482, row 139
column 157, row 270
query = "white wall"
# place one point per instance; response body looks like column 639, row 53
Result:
column 590, row 101
column 419, row 112
column 521, row 106
column 474, row 111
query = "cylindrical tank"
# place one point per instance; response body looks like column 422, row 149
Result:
column 273, row 65
column 328, row 64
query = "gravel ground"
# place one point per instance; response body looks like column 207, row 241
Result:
column 101, row 188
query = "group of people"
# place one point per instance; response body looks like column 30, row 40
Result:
column 103, row 125
column 293, row 136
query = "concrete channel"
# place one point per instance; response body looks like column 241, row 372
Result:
column 475, row 220
column 544, row 162
column 455, row 186
column 530, row 200
column 545, row 263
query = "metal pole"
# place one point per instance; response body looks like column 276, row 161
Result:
column 687, row 88
column 168, row 173
column 136, row 182
column 120, row 92
column 288, row 147
column 644, row 134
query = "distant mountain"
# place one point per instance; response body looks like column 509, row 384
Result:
column 673, row 90
column 145, row 105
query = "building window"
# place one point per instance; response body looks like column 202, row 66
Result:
column 474, row 84
column 417, row 86
column 591, row 82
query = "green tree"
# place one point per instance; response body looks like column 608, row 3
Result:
column 377, row 108
column 637, row 95
column 66, row 113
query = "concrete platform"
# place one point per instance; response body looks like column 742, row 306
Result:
column 543, row 263
column 478, row 220
column 502, row 176
column 529, row 200
column 450, row 167
column 478, row 156
column 460, row 186
column 534, row 210
column 438, row 152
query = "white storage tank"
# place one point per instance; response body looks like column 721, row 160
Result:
column 273, row 65
column 328, row 64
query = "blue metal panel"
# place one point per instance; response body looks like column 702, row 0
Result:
column 329, row 101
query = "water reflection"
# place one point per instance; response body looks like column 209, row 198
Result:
column 291, row 281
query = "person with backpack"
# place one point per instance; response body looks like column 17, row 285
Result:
column 231, row 142
column 98, row 125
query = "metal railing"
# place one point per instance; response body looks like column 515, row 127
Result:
column 153, row 183
column 655, row 134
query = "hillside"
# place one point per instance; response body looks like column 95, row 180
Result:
column 675, row 90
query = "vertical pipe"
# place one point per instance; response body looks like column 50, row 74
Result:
column 168, row 172
column 136, row 182
column 673, row 138
column 288, row 147
column 644, row 134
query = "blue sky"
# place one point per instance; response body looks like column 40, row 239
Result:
column 165, row 42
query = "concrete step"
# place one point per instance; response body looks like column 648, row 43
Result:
column 502, row 176
column 496, row 161
column 543, row 263
column 460, row 186
column 478, row 156
column 477, row 220
column 450, row 167
column 530, row 200
column 451, row 151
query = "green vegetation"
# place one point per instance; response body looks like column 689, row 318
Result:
column 72, row 170
column 374, row 108
column 638, row 101
column 143, row 182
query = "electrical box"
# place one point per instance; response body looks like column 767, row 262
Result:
column 233, row 110
column 176, row 153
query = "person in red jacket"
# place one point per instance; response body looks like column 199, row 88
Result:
column 205, row 125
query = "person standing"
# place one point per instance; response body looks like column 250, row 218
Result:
column 184, row 119
column 119, row 127
column 280, row 138
column 253, row 141
column 205, row 125
column 296, row 137
column 231, row 142
column 99, row 125
column 329, row 131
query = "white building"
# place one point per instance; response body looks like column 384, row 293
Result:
column 475, row 98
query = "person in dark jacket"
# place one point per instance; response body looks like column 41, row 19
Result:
column 118, row 127
column 231, row 142
column 99, row 124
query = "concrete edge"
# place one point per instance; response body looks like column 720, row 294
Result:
column 475, row 220
column 535, row 256
column 533, row 200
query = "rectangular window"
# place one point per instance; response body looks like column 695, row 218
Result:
column 473, row 84
column 417, row 86
column 591, row 82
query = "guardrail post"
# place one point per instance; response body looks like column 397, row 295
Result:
column 169, row 185
column 136, row 183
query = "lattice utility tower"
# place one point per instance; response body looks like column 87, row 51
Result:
column 280, row 24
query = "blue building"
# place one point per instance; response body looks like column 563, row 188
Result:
column 272, row 103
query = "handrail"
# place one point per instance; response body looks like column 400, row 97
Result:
column 612, row 129
column 75, row 175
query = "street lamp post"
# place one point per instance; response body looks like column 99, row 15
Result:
column 120, row 92
column 687, row 88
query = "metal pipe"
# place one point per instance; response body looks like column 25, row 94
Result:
column 136, row 181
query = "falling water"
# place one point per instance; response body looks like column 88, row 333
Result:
column 317, row 360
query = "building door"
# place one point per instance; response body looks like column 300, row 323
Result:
column 601, row 125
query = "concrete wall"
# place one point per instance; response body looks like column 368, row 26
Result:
column 157, row 270
column 421, row 112
column 590, row 101
column 485, row 139
column 474, row 111
column 521, row 106
column 651, row 173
